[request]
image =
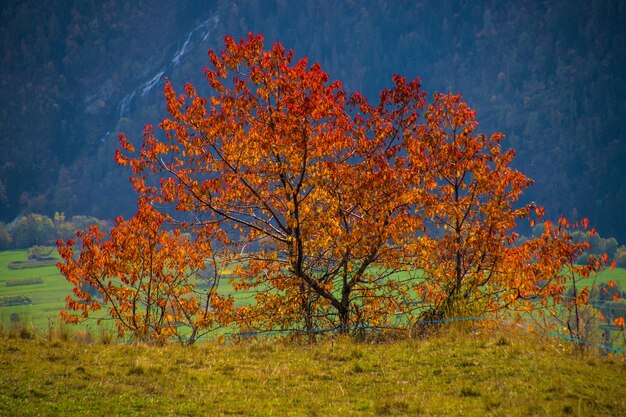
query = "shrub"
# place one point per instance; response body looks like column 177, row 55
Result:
column 40, row 252
column 66, row 229
column 5, row 237
column 31, row 264
column 620, row 257
column 598, row 246
column 24, row 281
column 15, row 300
column 32, row 229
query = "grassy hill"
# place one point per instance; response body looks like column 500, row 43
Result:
column 503, row 373
column 458, row 372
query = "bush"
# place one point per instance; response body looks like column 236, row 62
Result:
column 614, row 309
column 32, row 229
column 38, row 253
column 587, row 328
column 598, row 247
column 31, row 264
column 620, row 257
column 24, row 281
column 66, row 229
column 5, row 237
column 15, row 300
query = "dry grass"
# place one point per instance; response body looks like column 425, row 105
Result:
column 503, row 373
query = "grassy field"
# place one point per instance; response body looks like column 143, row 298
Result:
column 503, row 373
column 48, row 297
column 459, row 372
column 617, row 275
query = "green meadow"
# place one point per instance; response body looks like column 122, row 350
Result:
column 48, row 297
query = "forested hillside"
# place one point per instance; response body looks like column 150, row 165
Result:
column 550, row 75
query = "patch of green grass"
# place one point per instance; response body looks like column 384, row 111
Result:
column 448, row 374
column 617, row 274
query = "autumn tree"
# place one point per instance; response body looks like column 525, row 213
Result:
column 311, row 193
column 471, row 214
column 334, row 212
column 471, row 260
column 152, row 281
column 562, row 285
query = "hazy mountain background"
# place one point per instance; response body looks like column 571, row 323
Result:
column 550, row 75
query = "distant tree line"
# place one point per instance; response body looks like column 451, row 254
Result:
column 37, row 229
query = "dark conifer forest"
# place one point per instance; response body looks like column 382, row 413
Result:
column 550, row 75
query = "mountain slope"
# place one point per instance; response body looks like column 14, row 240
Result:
column 550, row 75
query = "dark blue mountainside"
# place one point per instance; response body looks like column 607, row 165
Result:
column 550, row 75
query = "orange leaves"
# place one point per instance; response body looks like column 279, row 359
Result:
column 540, row 211
column 619, row 322
column 585, row 222
column 125, row 144
column 583, row 296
